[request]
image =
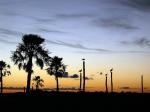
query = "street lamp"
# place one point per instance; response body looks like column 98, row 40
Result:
column 83, row 74
column 111, row 70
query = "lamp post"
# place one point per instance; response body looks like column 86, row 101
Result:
column 80, row 71
column 83, row 74
column 106, row 84
column 111, row 80
column 142, row 83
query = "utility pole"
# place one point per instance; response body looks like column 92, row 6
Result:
column 83, row 75
column 142, row 83
column 106, row 84
column 111, row 80
column 80, row 79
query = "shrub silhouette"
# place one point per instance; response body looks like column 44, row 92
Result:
column 30, row 48
column 4, row 70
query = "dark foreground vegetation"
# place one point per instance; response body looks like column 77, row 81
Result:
column 67, row 101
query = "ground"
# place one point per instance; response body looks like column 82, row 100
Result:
column 67, row 101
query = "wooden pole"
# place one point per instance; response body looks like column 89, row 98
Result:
column 80, row 80
column 83, row 75
column 142, row 83
column 111, row 82
column 106, row 84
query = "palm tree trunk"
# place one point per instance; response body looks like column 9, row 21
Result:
column 57, row 83
column 28, row 82
column 1, row 78
column 36, row 86
column 29, row 74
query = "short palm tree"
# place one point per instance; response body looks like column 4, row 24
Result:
column 30, row 48
column 38, row 81
column 56, row 68
column 4, row 70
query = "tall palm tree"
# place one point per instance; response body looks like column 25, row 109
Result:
column 56, row 68
column 30, row 48
column 38, row 81
column 4, row 70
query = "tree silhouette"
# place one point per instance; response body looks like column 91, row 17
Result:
column 4, row 70
column 56, row 68
column 38, row 81
column 30, row 48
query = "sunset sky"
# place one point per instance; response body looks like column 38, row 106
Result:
column 107, row 33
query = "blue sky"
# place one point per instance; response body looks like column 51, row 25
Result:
column 87, row 25
column 112, row 31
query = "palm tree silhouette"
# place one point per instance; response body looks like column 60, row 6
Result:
column 4, row 70
column 30, row 48
column 56, row 68
column 111, row 80
column 106, row 84
column 38, row 81
column 80, row 71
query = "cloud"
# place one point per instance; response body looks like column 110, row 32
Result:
column 126, row 88
column 77, row 46
column 142, row 42
column 5, row 35
column 49, row 30
column 89, row 78
column 42, row 20
column 9, row 32
column 74, row 76
column 74, row 16
column 7, row 41
column 88, row 50
column 114, row 22
column 143, row 5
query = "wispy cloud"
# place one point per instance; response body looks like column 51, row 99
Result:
column 142, row 42
column 44, row 30
column 7, row 41
column 114, row 22
column 143, row 5
column 74, row 16
column 9, row 32
column 77, row 46
column 5, row 36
